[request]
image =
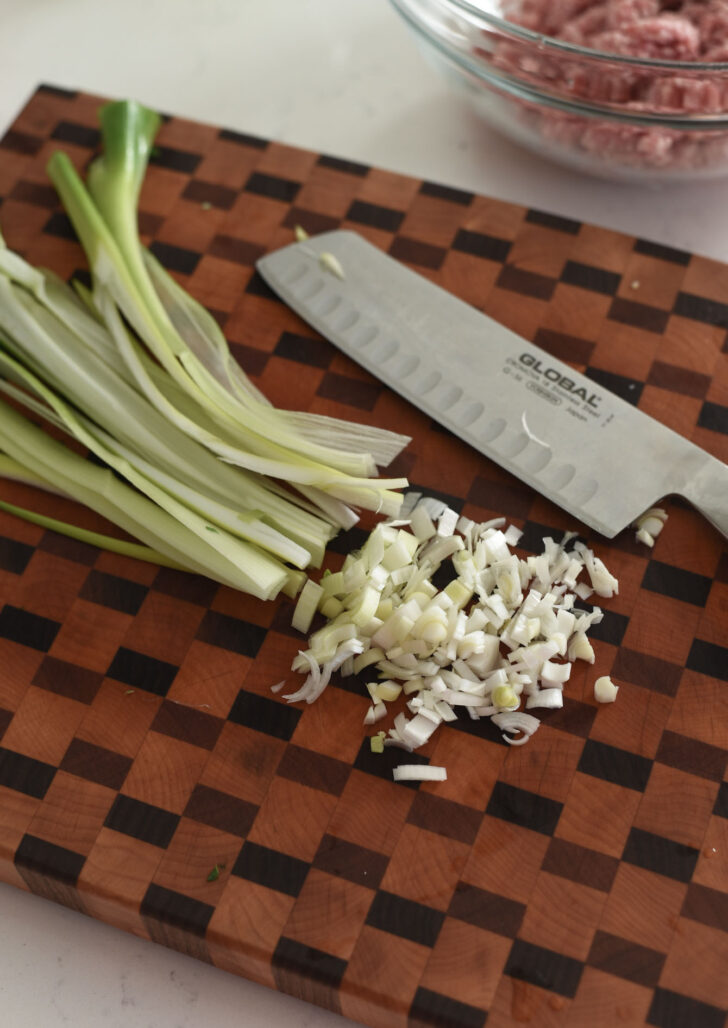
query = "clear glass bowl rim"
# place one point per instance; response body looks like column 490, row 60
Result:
column 411, row 11
column 548, row 44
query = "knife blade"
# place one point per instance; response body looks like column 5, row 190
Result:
column 589, row 451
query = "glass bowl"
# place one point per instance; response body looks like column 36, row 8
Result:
column 609, row 115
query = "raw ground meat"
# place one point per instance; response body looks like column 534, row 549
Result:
column 636, row 28
column 652, row 29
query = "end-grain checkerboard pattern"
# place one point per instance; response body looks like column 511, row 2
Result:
column 579, row 880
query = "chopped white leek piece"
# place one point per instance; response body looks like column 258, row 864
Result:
column 419, row 773
column 603, row 583
column 306, row 606
column 375, row 713
column 367, row 658
column 549, row 698
column 554, row 674
column 410, row 500
column 387, row 692
column 513, row 535
column 331, row 608
column 580, row 648
column 422, row 524
column 516, row 721
column 605, row 691
column 649, row 525
column 447, row 522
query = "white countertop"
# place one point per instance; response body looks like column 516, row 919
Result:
column 340, row 76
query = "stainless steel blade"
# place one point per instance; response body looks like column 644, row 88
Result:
column 586, row 449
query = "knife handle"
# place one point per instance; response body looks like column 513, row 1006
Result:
column 708, row 492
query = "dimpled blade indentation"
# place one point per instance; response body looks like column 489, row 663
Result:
column 581, row 489
column 294, row 274
column 404, row 365
column 307, row 288
column 345, row 319
column 490, row 432
column 447, row 397
column 511, row 443
column 325, row 304
column 560, row 476
column 363, row 334
column 384, row 351
column 469, row 414
column 427, row 383
column 535, row 458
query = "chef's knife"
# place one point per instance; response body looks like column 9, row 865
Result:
column 592, row 453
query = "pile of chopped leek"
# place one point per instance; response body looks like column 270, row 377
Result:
column 191, row 460
column 501, row 636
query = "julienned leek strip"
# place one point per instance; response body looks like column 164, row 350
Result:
column 254, row 571
column 116, row 288
column 75, row 363
column 200, row 362
column 247, row 526
column 298, row 429
column 114, row 182
column 219, row 481
column 10, row 469
column 98, row 489
column 77, row 312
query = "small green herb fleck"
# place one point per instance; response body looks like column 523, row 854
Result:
column 128, row 692
column 377, row 744
column 206, row 205
column 211, row 529
column 215, row 873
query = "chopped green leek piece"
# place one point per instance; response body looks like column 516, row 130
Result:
column 504, row 696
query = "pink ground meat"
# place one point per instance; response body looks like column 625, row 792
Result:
column 636, row 28
column 653, row 29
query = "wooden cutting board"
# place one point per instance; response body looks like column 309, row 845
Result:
column 579, row 880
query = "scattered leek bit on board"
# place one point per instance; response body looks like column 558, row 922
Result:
column 419, row 773
column 500, row 637
column 329, row 262
column 301, row 234
column 605, row 691
column 649, row 525
column 195, row 463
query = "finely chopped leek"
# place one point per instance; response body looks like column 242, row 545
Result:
column 196, row 463
column 502, row 635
